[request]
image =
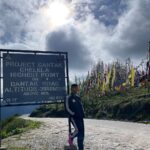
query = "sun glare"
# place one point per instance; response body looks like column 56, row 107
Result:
column 57, row 13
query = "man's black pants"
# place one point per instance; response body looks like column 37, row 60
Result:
column 78, row 124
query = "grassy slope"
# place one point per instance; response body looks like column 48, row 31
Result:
column 51, row 110
column 15, row 125
column 133, row 105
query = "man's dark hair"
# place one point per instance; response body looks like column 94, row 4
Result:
column 74, row 85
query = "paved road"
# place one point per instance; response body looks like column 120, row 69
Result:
column 100, row 135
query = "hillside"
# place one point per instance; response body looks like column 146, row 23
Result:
column 132, row 105
column 16, row 125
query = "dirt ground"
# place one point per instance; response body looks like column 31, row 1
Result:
column 99, row 135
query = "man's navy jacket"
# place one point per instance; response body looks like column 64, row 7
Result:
column 74, row 106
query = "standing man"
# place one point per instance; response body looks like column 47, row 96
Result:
column 75, row 110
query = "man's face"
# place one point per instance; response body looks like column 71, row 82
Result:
column 75, row 89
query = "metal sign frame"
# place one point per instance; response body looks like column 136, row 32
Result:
column 10, row 51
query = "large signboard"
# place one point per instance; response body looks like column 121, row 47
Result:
column 30, row 78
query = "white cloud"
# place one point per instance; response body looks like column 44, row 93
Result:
column 15, row 46
column 24, row 26
column 129, row 38
column 133, row 31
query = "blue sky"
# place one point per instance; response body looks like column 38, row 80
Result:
column 89, row 30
